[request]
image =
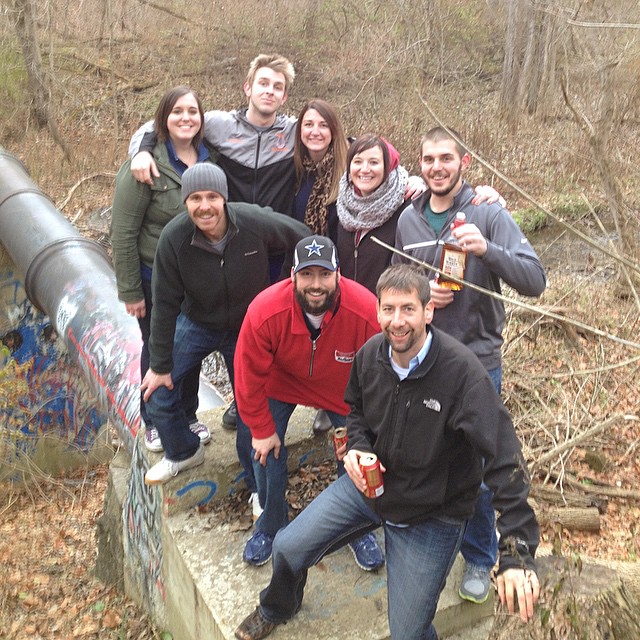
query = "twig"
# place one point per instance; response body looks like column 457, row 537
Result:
column 586, row 372
column 65, row 202
column 612, row 492
column 166, row 10
column 517, row 303
column 574, row 442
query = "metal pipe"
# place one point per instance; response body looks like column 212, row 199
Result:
column 70, row 278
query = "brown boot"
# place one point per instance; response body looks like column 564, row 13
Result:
column 254, row 627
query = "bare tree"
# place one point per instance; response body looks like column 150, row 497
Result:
column 529, row 65
column 26, row 30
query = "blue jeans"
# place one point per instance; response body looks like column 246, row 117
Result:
column 480, row 544
column 270, row 481
column 191, row 381
column 419, row 558
column 192, row 343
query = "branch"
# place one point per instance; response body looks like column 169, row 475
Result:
column 612, row 492
column 166, row 10
column 65, row 202
column 513, row 301
column 603, row 25
column 574, row 442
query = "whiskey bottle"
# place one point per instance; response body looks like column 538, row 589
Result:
column 452, row 259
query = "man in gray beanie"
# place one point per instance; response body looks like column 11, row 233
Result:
column 211, row 261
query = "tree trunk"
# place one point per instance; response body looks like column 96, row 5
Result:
column 529, row 59
column 25, row 25
column 26, row 31
column 589, row 601
column 572, row 518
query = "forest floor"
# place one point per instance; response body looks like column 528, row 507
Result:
column 561, row 382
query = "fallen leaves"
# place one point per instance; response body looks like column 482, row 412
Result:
column 47, row 553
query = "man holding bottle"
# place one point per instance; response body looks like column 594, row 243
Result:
column 496, row 249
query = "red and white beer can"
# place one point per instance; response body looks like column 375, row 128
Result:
column 370, row 467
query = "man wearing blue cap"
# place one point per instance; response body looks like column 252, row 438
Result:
column 211, row 261
column 296, row 346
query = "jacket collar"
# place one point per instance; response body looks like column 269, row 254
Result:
column 278, row 125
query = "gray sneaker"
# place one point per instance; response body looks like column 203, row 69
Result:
column 476, row 582
column 167, row 469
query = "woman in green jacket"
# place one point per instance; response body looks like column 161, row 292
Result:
column 139, row 214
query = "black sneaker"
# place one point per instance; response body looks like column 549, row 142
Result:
column 230, row 417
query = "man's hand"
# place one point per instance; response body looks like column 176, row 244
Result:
column 341, row 451
column 485, row 193
column 470, row 239
column 136, row 309
column 524, row 584
column 352, row 467
column 415, row 187
column 153, row 380
column 262, row 447
column 441, row 296
column 143, row 168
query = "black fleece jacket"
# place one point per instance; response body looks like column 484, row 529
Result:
column 431, row 431
column 213, row 289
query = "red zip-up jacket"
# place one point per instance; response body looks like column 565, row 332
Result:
column 276, row 357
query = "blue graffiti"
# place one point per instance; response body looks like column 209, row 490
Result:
column 213, row 488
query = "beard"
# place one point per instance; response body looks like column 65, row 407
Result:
column 447, row 189
column 313, row 306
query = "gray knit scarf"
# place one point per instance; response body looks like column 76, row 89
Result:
column 363, row 213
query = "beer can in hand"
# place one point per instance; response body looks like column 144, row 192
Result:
column 339, row 438
column 370, row 467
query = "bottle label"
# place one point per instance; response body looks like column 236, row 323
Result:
column 453, row 261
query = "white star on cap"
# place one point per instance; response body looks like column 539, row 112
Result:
column 314, row 248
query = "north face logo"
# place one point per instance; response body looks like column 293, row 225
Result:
column 432, row 404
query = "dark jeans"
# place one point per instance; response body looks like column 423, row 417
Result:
column 192, row 344
column 191, row 381
column 270, row 481
column 480, row 543
column 419, row 558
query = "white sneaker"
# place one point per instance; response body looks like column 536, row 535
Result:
column 167, row 469
column 200, row 429
column 152, row 440
column 256, row 509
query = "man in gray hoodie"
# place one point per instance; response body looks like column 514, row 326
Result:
column 496, row 249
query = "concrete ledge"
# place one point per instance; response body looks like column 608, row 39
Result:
column 221, row 474
column 185, row 567
column 209, row 590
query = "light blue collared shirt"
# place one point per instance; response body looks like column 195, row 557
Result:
column 415, row 361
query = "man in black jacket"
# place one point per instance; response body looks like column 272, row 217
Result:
column 425, row 406
column 211, row 261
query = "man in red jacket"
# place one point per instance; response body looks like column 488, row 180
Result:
column 296, row 345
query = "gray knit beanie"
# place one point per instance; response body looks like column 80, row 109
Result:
column 204, row 176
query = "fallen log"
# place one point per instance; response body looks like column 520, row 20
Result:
column 549, row 495
column 572, row 518
column 586, row 601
